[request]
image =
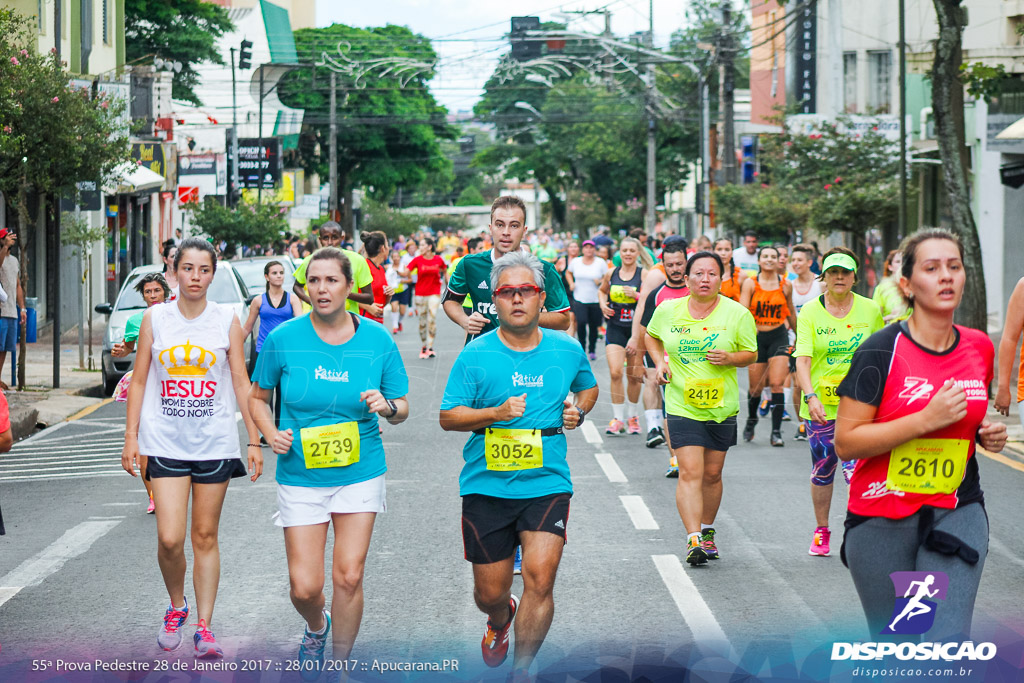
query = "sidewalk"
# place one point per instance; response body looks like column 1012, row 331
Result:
column 40, row 405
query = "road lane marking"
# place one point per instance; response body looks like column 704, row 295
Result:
column 638, row 513
column 24, row 462
column 90, row 409
column 999, row 457
column 698, row 616
column 65, row 475
column 80, row 437
column 92, row 466
column 47, row 562
column 590, row 432
column 64, row 449
column 611, row 468
column 46, row 432
column 1001, row 548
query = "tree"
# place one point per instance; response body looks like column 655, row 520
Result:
column 948, row 108
column 470, row 197
column 379, row 216
column 185, row 31
column 389, row 124
column 249, row 223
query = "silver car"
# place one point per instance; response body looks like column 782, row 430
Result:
column 227, row 288
column 251, row 272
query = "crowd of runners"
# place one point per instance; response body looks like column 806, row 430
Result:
column 888, row 390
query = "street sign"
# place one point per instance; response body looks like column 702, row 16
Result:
column 259, row 163
column 187, row 195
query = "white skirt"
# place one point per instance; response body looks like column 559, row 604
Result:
column 306, row 505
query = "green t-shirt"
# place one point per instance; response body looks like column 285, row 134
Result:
column 132, row 327
column 617, row 259
column 472, row 276
column 700, row 390
column 830, row 343
column 889, row 299
column 545, row 252
column 360, row 274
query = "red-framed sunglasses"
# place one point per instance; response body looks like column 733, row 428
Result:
column 509, row 291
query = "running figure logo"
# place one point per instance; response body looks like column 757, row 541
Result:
column 914, row 612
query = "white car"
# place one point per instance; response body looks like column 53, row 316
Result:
column 227, row 288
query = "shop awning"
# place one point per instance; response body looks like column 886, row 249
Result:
column 132, row 178
column 1014, row 131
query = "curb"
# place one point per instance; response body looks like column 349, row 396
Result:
column 23, row 422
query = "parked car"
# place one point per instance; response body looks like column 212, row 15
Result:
column 251, row 271
column 227, row 288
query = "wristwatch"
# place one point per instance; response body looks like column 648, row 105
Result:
column 394, row 408
column 583, row 413
column 808, row 397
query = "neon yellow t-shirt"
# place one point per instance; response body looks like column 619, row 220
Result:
column 890, row 300
column 700, row 390
column 830, row 342
column 361, row 277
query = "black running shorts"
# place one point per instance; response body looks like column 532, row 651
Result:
column 715, row 436
column 772, row 343
column 491, row 526
column 616, row 335
column 201, row 471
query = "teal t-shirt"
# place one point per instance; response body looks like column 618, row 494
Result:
column 320, row 385
column 132, row 327
column 485, row 375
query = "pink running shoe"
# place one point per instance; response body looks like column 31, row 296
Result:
column 633, row 425
column 819, row 545
column 152, row 507
column 616, row 428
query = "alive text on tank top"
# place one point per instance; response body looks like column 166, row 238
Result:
column 769, row 306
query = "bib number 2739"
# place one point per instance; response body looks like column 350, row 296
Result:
column 334, row 445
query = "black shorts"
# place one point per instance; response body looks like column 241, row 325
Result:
column 617, row 334
column 201, row 471
column 491, row 526
column 792, row 364
column 772, row 343
column 404, row 297
column 715, row 436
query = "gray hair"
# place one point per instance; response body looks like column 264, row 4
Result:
column 517, row 259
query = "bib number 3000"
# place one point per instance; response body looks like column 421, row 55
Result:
column 334, row 445
column 928, row 465
column 510, row 450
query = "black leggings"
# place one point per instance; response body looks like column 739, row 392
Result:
column 588, row 319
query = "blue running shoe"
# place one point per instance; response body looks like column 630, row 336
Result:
column 169, row 637
column 517, row 562
column 311, row 651
column 764, row 408
column 206, row 645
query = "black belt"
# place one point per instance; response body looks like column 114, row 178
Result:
column 549, row 431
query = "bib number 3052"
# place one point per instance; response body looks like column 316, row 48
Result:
column 510, row 450
column 334, row 445
column 928, row 465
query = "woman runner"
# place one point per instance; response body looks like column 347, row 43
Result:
column 190, row 352
column 911, row 413
column 376, row 245
column 169, row 253
column 806, row 288
column 887, row 293
column 733, row 284
column 338, row 372
column 584, row 275
column 706, row 337
column 1007, row 349
column 431, row 271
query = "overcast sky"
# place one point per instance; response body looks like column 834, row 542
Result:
column 469, row 34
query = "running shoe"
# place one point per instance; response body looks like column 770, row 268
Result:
column 819, row 544
column 785, row 416
column 205, row 644
column 169, row 637
column 848, row 467
column 695, row 553
column 394, row 330
column 801, row 433
column 494, row 646
column 616, row 428
column 673, row 468
column 633, row 425
column 152, row 507
column 592, row 356
column 707, row 541
column 423, row 352
column 776, row 440
column 764, row 408
column 748, row 431
column 400, row 327
column 430, row 353
column 655, row 437
column 517, row 561
column 312, row 650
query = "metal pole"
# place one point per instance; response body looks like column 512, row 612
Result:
column 233, row 194
column 903, row 122
column 55, row 283
column 652, row 162
column 705, row 149
column 81, row 302
column 259, row 184
column 57, row 26
column 728, row 75
column 332, row 202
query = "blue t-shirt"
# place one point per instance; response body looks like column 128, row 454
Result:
column 320, row 385
column 485, row 375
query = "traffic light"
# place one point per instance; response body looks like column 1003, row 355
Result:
column 524, row 49
column 245, row 55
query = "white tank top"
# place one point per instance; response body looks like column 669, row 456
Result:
column 800, row 299
column 188, row 410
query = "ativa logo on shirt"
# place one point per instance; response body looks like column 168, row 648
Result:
column 521, row 380
column 330, row 375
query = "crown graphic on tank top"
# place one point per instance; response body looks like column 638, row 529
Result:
column 187, row 360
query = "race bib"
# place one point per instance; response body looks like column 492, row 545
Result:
column 829, row 390
column 510, row 450
column 928, row 465
column 334, row 445
column 617, row 294
column 705, row 393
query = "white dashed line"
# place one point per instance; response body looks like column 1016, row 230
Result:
column 611, row 468
column 638, row 512
column 590, row 432
column 698, row 616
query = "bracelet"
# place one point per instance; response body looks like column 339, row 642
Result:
column 255, row 445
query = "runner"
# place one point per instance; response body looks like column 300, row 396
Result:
column 572, row 251
column 1007, row 350
column 707, row 337
column 509, row 389
column 747, row 256
column 402, row 299
column 190, row 352
column 674, row 262
column 331, row 235
column 338, row 373
column 431, row 271
column 830, row 328
column 769, row 297
column 911, row 412
column 806, row 288
column 169, row 253
column 619, row 293
column 887, row 293
column 154, row 290
column 472, row 275
column 584, row 275
column 732, row 286
column 376, row 245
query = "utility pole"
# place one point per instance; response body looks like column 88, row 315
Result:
column 903, row 122
column 652, row 164
column 332, row 202
column 259, row 184
column 835, row 56
column 233, row 194
column 726, row 57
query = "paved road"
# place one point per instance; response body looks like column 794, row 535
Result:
column 79, row 579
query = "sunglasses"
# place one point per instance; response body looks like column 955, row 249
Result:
column 508, row 292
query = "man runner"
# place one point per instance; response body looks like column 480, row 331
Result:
column 362, row 286
column 509, row 390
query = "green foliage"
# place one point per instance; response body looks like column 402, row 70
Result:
column 379, row 216
column 178, row 30
column 983, row 81
column 75, row 231
column 471, row 196
column 770, row 210
column 441, row 223
column 249, row 223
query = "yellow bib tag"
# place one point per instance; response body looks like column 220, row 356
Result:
column 928, row 465
column 617, row 293
column 829, row 389
column 510, row 450
column 705, row 393
column 334, row 445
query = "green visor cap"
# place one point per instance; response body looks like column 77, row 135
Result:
column 844, row 261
